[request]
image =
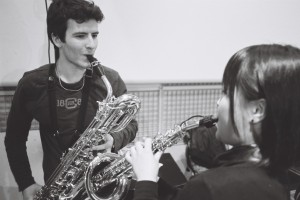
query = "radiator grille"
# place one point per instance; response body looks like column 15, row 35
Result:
column 163, row 105
column 180, row 104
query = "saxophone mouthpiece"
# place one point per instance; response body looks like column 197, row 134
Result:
column 91, row 58
column 95, row 63
column 208, row 121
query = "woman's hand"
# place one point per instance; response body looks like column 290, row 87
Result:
column 30, row 191
column 144, row 163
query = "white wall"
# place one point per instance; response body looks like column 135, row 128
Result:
column 154, row 40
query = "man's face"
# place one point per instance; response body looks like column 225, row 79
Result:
column 80, row 40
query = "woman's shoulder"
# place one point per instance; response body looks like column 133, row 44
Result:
column 238, row 172
column 242, row 179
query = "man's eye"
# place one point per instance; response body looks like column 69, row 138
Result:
column 80, row 36
column 95, row 35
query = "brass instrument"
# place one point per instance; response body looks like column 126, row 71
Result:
column 113, row 115
column 116, row 174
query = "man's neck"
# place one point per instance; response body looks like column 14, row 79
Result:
column 68, row 72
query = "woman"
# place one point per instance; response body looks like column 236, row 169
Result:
column 259, row 116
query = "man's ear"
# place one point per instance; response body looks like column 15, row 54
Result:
column 258, row 110
column 56, row 40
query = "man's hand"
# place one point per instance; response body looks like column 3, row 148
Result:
column 30, row 191
column 107, row 146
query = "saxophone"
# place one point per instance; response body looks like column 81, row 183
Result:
column 112, row 181
column 113, row 115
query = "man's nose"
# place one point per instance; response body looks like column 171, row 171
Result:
column 91, row 42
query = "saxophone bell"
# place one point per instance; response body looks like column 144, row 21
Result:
column 103, row 181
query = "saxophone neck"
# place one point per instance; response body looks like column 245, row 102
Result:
column 193, row 122
column 108, row 87
column 173, row 136
column 96, row 64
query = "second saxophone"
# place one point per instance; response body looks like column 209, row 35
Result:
column 112, row 179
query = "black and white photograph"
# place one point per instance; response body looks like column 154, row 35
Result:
column 150, row 100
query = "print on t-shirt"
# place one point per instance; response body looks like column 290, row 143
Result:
column 69, row 103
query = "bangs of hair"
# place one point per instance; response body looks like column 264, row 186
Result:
column 230, row 79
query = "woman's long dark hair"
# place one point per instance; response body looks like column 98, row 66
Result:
column 271, row 72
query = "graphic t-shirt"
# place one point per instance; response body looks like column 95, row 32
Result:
column 68, row 104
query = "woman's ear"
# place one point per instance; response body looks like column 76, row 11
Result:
column 258, row 110
column 56, row 40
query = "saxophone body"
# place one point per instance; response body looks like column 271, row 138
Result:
column 111, row 182
column 113, row 115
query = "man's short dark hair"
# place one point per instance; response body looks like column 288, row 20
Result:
column 60, row 11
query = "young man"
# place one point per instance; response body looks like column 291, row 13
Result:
column 63, row 96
